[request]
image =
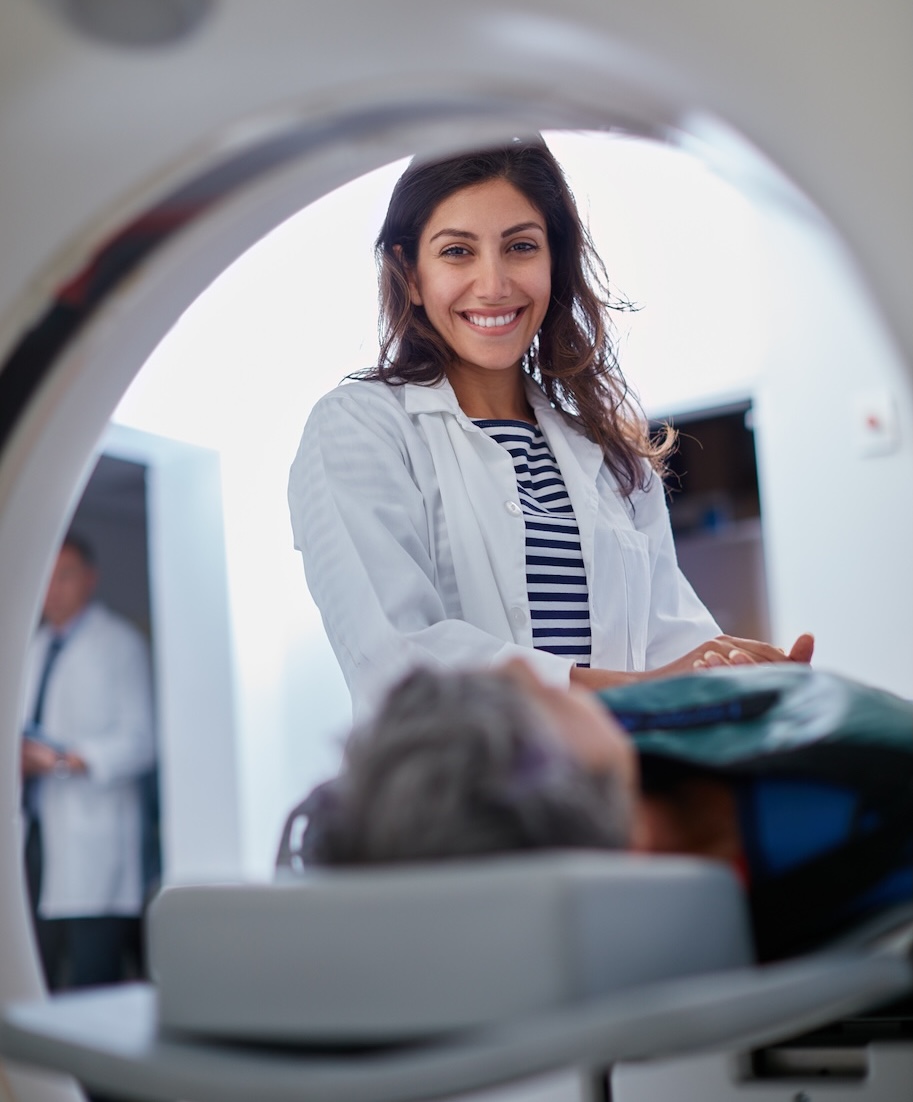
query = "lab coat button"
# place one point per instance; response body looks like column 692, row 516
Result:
column 513, row 508
column 517, row 616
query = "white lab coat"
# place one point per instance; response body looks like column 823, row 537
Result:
column 414, row 550
column 98, row 704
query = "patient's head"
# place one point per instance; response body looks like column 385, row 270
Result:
column 462, row 764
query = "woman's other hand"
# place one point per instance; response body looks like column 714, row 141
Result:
column 724, row 650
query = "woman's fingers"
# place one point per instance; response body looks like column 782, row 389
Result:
column 724, row 656
column 803, row 648
column 728, row 650
column 756, row 648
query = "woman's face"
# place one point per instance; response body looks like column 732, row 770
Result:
column 483, row 274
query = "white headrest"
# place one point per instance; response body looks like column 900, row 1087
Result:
column 338, row 956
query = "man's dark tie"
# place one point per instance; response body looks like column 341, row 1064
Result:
column 55, row 643
column 30, row 784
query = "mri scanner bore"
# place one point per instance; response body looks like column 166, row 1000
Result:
column 83, row 198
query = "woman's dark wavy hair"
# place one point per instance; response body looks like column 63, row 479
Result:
column 572, row 357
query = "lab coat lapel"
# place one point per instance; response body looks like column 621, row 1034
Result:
column 476, row 480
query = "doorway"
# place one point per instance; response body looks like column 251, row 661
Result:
column 715, row 509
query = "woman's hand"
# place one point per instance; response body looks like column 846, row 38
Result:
column 724, row 650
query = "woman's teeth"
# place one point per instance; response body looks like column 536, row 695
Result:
column 490, row 322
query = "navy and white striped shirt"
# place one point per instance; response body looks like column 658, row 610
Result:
column 555, row 576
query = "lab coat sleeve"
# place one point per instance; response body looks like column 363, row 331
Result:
column 361, row 522
column 678, row 619
column 121, row 744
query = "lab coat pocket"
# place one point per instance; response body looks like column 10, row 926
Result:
column 634, row 550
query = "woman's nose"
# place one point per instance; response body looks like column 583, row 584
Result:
column 492, row 278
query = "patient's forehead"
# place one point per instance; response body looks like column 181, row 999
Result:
column 579, row 720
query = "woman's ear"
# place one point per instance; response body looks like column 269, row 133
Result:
column 411, row 279
column 414, row 292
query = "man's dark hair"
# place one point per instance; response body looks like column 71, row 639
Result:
column 83, row 548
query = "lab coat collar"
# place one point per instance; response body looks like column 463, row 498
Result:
column 431, row 398
column 72, row 625
column 439, row 397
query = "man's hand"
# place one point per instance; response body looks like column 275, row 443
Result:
column 69, row 764
column 41, row 760
column 38, row 759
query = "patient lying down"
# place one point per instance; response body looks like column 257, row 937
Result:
column 800, row 781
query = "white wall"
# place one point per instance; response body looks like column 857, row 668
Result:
column 835, row 491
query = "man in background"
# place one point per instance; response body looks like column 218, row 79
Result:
column 88, row 742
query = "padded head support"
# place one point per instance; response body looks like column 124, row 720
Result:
column 381, row 955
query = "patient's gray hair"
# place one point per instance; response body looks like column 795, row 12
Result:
column 455, row 765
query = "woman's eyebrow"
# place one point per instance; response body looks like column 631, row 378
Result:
column 468, row 236
column 454, row 233
column 521, row 227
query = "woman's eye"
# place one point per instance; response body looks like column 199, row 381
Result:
column 455, row 250
column 524, row 246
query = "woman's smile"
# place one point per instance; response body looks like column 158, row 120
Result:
column 493, row 321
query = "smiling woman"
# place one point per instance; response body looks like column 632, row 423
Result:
column 489, row 490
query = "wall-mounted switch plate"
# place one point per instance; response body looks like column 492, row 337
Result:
column 875, row 423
